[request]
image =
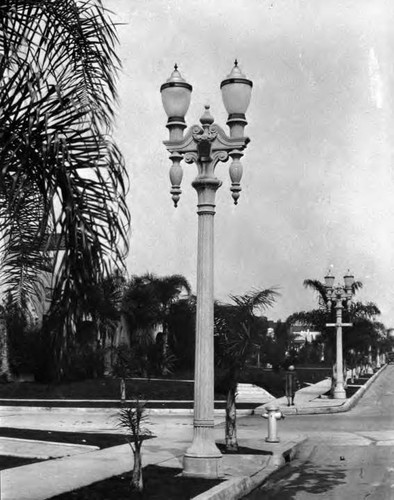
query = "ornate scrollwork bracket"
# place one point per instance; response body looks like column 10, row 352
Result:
column 206, row 145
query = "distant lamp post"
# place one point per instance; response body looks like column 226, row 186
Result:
column 340, row 296
column 206, row 146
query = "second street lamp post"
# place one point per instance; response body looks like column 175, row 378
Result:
column 341, row 296
column 206, row 146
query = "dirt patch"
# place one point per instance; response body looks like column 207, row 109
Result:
column 161, row 483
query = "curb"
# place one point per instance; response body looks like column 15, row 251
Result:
column 113, row 410
column 337, row 408
column 238, row 487
column 354, row 399
column 347, row 405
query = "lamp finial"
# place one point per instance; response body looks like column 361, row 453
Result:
column 207, row 118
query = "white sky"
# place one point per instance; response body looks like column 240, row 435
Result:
column 318, row 178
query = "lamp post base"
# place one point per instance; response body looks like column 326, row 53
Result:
column 339, row 393
column 208, row 466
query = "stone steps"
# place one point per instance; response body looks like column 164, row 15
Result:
column 250, row 393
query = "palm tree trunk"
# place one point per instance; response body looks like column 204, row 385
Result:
column 333, row 379
column 144, row 366
column 164, row 353
column 231, row 418
column 137, row 483
column 5, row 371
column 122, row 389
column 344, row 374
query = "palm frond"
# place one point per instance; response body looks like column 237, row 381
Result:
column 237, row 327
column 132, row 419
column 368, row 310
column 57, row 93
column 319, row 288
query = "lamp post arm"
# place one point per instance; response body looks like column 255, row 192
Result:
column 206, row 146
column 220, row 140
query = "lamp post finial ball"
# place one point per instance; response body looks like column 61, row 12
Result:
column 206, row 118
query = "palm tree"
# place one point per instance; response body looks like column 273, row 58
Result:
column 168, row 290
column 5, row 369
column 182, row 332
column 238, row 331
column 146, row 304
column 63, row 181
column 104, row 306
column 131, row 420
column 140, row 308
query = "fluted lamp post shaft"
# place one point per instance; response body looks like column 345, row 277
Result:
column 205, row 145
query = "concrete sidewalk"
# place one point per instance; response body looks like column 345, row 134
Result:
column 243, row 473
column 309, row 400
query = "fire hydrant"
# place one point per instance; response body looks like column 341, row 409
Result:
column 272, row 414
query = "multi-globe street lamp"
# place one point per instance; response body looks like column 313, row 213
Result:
column 341, row 296
column 205, row 145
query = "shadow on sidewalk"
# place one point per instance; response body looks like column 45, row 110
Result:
column 295, row 478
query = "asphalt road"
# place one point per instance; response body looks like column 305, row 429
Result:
column 347, row 456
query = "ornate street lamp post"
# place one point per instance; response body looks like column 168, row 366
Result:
column 341, row 296
column 206, row 146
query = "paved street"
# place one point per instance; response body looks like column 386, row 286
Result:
column 348, row 456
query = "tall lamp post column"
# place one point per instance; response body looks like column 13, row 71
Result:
column 205, row 145
column 341, row 296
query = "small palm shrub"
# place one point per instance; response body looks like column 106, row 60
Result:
column 131, row 419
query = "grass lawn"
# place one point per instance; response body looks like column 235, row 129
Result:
column 86, row 438
column 160, row 483
column 105, row 388
column 151, row 389
column 7, row 462
column 242, row 450
column 92, row 439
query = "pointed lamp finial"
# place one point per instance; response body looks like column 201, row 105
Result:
column 329, row 279
column 175, row 95
column 349, row 280
column 236, row 92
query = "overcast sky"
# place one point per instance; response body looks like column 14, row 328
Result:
column 318, row 185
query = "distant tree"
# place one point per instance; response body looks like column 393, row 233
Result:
column 279, row 346
column 147, row 303
column 168, row 290
column 238, row 335
column 104, row 305
column 182, row 332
